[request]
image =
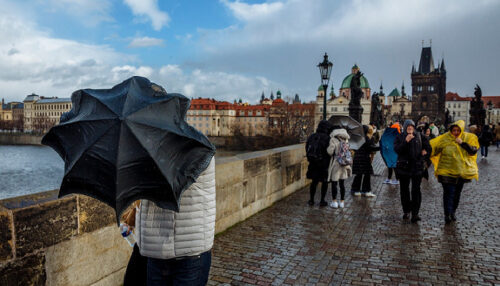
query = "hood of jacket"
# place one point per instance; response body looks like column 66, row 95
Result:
column 461, row 125
column 324, row 126
column 407, row 123
column 340, row 133
column 396, row 126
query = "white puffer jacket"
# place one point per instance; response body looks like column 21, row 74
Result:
column 335, row 170
column 165, row 234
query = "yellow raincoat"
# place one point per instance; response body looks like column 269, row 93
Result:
column 451, row 160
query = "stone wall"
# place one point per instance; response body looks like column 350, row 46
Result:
column 19, row 139
column 75, row 240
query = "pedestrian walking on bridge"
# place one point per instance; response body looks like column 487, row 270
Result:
column 340, row 164
column 412, row 148
column 319, row 160
column 454, row 156
column 362, row 165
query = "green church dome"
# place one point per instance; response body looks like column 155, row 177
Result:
column 346, row 83
column 320, row 88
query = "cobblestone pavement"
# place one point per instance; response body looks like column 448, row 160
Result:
column 367, row 242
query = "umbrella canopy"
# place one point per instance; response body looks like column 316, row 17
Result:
column 387, row 147
column 127, row 143
column 353, row 127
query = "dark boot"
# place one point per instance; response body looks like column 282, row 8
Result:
column 406, row 216
column 447, row 219
column 453, row 217
column 415, row 218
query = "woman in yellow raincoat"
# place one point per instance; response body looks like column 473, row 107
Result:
column 454, row 157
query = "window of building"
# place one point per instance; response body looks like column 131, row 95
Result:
column 335, row 109
column 454, row 105
column 459, row 113
column 459, row 105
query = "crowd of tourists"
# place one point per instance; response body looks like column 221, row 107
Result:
column 408, row 150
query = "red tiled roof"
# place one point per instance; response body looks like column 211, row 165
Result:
column 494, row 99
column 278, row 101
column 452, row 96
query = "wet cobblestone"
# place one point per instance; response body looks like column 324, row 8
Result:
column 367, row 242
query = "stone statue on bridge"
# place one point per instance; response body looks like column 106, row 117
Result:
column 376, row 111
column 355, row 109
column 477, row 110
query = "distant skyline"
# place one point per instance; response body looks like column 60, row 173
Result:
column 231, row 49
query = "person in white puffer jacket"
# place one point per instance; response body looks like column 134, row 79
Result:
column 336, row 171
column 178, row 244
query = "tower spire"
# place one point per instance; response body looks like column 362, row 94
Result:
column 442, row 68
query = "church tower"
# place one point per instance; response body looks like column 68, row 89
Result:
column 428, row 88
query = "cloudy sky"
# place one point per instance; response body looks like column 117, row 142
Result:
column 230, row 49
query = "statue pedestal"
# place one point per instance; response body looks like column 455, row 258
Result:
column 355, row 112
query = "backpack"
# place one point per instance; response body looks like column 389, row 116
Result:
column 314, row 152
column 344, row 157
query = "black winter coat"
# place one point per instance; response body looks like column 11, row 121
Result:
column 411, row 162
column 318, row 171
column 362, row 163
column 485, row 138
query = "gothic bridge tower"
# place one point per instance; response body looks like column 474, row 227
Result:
column 428, row 88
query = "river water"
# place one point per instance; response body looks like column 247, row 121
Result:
column 33, row 169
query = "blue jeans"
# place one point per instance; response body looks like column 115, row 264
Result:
column 484, row 151
column 451, row 197
column 192, row 271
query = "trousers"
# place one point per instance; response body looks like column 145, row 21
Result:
column 410, row 200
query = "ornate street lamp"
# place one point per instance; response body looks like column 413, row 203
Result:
column 325, row 69
column 490, row 108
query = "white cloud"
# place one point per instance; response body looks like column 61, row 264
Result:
column 213, row 84
column 249, row 12
column 145, row 42
column 149, row 9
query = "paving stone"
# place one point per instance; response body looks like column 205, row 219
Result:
column 367, row 243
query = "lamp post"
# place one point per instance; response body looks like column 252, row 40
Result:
column 325, row 69
column 490, row 108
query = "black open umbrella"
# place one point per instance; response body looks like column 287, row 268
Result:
column 127, row 143
column 353, row 127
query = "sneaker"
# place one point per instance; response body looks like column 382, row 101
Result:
column 387, row 181
column 310, row 202
column 341, row 204
column 334, row 204
column 323, row 204
column 394, row 182
column 357, row 194
column 369, row 194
